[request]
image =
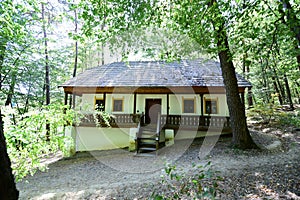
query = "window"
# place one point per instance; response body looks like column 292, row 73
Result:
column 188, row 105
column 99, row 104
column 211, row 106
column 118, row 105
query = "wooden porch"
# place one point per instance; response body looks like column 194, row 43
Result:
column 186, row 122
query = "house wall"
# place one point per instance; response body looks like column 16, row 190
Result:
column 94, row 138
column 222, row 104
column 175, row 103
column 127, row 102
column 88, row 101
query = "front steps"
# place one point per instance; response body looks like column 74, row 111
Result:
column 147, row 141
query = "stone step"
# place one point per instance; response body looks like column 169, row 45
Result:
column 148, row 138
column 147, row 149
column 148, row 143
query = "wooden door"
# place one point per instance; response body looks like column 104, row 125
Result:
column 152, row 108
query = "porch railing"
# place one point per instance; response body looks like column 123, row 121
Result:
column 192, row 121
column 166, row 121
column 119, row 120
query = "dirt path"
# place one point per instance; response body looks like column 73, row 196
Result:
column 118, row 174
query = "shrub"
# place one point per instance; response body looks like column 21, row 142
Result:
column 265, row 112
column 289, row 119
column 202, row 184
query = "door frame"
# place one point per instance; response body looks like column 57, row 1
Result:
column 148, row 105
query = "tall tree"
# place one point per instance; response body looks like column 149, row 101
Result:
column 8, row 190
column 47, row 68
column 241, row 135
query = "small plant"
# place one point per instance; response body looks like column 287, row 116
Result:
column 265, row 111
column 100, row 117
column 202, row 184
column 289, row 119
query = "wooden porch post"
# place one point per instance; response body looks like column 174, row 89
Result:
column 168, row 105
column 73, row 101
column 66, row 102
column 134, row 103
column 104, row 100
column 243, row 98
column 201, row 99
column 66, row 98
column 250, row 99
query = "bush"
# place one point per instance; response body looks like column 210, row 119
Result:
column 265, row 112
column 202, row 184
column 289, row 119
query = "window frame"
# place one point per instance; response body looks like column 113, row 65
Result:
column 211, row 100
column 183, row 105
column 113, row 104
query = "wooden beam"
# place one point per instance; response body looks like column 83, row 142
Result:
column 202, row 103
column 168, row 105
column 66, row 99
column 243, row 98
column 66, row 102
column 134, row 103
column 104, row 99
column 73, row 100
column 250, row 98
column 148, row 90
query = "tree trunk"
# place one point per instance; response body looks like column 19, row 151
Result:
column 265, row 82
column 241, row 136
column 246, row 71
column 297, row 91
column 279, row 85
column 298, row 95
column 8, row 190
column 288, row 91
column 76, row 44
column 72, row 98
column 277, row 90
column 47, row 69
column 11, row 88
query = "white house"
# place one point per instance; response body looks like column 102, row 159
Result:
column 185, row 95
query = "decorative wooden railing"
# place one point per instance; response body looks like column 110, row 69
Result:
column 170, row 121
column 119, row 120
column 192, row 121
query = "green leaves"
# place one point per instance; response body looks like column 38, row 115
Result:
column 178, row 184
column 26, row 137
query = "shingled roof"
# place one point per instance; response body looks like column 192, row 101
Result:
column 153, row 74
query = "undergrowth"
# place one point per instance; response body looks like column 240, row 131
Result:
column 177, row 184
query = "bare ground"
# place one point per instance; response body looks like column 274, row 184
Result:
column 272, row 173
